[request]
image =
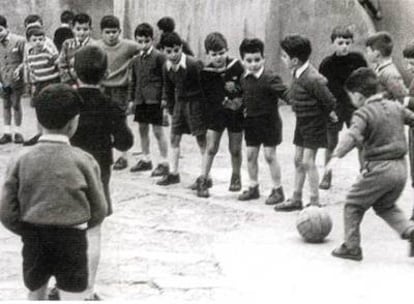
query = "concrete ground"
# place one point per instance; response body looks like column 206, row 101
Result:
column 165, row 245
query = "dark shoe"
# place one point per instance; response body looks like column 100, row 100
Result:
column 169, row 179
column 249, row 194
column 276, row 197
column 18, row 138
column 161, row 170
column 95, row 297
column 53, row 295
column 326, row 181
column 289, row 205
column 142, row 166
column 32, row 141
column 235, row 183
column 344, row 252
column 5, row 139
column 202, row 190
column 120, row 164
column 194, row 186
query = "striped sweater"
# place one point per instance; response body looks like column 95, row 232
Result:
column 42, row 65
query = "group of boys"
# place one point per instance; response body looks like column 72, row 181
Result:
column 83, row 92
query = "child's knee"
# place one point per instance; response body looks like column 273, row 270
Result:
column 143, row 128
column 308, row 164
column 270, row 157
column 158, row 132
column 298, row 161
column 235, row 151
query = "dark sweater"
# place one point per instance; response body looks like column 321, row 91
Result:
column 309, row 94
column 214, row 80
column 260, row 96
column 337, row 69
column 102, row 126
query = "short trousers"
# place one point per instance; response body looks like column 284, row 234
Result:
column 265, row 129
column 118, row 95
column 310, row 132
column 220, row 119
column 55, row 251
column 188, row 118
column 149, row 114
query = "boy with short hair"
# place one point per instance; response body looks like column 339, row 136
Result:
column 378, row 127
column 82, row 26
column 146, row 91
column 12, row 53
column 379, row 50
column 313, row 105
column 120, row 53
column 51, row 195
column 221, row 84
column 336, row 68
column 262, row 124
column 65, row 30
column 184, row 98
column 167, row 25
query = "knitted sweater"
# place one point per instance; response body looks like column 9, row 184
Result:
column 119, row 61
column 309, row 94
column 42, row 65
column 378, row 128
column 391, row 81
column 52, row 184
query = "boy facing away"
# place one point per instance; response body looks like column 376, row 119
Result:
column 146, row 92
column 313, row 105
column 51, row 196
column 337, row 68
column 378, row 127
column 120, row 53
column 64, row 31
column 221, row 84
column 262, row 125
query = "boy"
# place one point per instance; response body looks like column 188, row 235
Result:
column 263, row 125
column 36, row 20
column 102, row 125
column 120, row 53
column 379, row 49
column 65, row 30
column 221, row 85
column 378, row 127
column 51, row 195
column 167, row 25
column 82, row 25
column 337, row 68
column 312, row 103
column 12, row 56
column 184, row 98
column 146, row 90
column 41, row 66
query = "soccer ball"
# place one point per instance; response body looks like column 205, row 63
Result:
column 313, row 224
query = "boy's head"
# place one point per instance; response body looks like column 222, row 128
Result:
column 144, row 36
column 379, row 46
column 110, row 30
column 3, row 27
column 33, row 20
column 296, row 51
column 361, row 84
column 408, row 54
column 172, row 46
column 216, row 49
column 35, row 35
column 166, row 25
column 252, row 54
column 57, row 109
column 82, row 25
column 342, row 39
column 91, row 63
column 67, row 17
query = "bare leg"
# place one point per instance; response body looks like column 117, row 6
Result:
column 235, row 148
column 274, row 167
column 39, row 294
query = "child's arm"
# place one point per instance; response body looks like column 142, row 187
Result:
column 319, row 89
column 278, row 88
column 395, row 87
column 168, row 88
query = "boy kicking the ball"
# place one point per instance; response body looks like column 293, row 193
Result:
column 378, row 127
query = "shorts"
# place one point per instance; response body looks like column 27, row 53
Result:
column 149, row 114
column 118, row 95
column 58, row 252
column 310, row 132
column 188, row 118
column 266, row 130
column 225, row 118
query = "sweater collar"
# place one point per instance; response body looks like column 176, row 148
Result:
column 299, row 71
column 58, row 138
column 383, row 65
column 375, row 98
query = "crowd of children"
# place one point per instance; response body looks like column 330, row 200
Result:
column 56, row 193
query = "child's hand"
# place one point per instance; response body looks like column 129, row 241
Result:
column 331, row 165
column 163, row 104
column 230, row 86
column 333, row 117
column 131, row 108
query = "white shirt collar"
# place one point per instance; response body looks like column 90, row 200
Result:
column 55, row 137
column 148, row 52
column 383, row 65
column 182, row 63
column 84, row 42
column 256, row 75
column 301, row 69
